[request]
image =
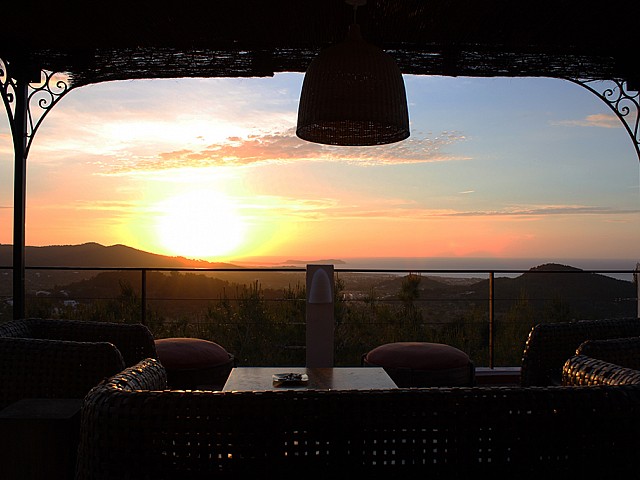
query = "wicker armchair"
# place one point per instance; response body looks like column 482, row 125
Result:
column 582, row 370
column 621, row 351
column 133, row 428
column 134, row 341
column 550, row 344
column 35, row 368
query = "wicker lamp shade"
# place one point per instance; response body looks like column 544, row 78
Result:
column 353, row 94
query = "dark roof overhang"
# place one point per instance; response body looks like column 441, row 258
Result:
column 117, row 40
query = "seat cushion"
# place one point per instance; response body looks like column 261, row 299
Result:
column 423, row 364
column 190, row 353
column 417, row 355
column 194, row 363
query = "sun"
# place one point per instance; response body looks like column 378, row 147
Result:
column 200, row 224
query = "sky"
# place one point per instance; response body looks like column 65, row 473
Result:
column 212, row 169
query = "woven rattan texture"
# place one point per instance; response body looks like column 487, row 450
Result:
column 550, row 344
column 15, row 328
column 519, row 432
column 34, row 368
column 353, row 94
column 584, row 370
column 134, row 341
column 621, row 351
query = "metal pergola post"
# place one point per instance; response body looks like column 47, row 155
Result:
column 19, row 135
column 21, row 85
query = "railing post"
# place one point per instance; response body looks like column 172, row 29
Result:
column 143, row 297
column 491, row 318
column 320, row 316
column 636, row 279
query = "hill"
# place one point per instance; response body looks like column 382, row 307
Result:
column 550, row 286
column 87, row 255
column 554, row 286
column 552, row 280
column 96, row 255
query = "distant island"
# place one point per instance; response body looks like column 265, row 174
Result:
column 329, row 261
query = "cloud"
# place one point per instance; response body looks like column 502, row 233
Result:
column 601, row 120
column 545, row 210
column 409, row 210
column 108, row 204
column 399, row 209
column 321, row 209
column 282, row 147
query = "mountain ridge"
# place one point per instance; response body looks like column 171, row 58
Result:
column 93, row 254
column 545, row 286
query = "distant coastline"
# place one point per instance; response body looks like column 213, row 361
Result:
column 465, row 265
column 94, row 254
column 453, row 263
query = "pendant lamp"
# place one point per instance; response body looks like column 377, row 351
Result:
column 353, row 94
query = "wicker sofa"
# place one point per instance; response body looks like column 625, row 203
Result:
column 52, row 358
column 134, row 341
column 549, row 345
column 133, row 428
column 37, row 368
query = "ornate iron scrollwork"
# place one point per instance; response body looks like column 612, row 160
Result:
column 28, row 94
column 42, row 95
column 623, row 102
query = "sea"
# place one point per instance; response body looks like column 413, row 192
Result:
column 468, row 266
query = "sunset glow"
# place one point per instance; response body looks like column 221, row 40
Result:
column 496, row 168
column 199, row 224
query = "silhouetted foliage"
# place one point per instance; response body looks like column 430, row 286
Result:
column 265, row 325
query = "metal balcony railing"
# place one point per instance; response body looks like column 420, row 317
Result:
column 470, row 318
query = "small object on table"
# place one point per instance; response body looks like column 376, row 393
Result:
column 243, row 379
column 289, row 379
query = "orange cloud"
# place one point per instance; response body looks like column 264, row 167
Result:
column 600, row 120
column 284, row 146
column 545, row 210
column 397, row 210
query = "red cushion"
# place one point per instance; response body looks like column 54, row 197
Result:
column 189, row 353
column 417, row 355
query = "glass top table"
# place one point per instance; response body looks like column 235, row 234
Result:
column 336, row 378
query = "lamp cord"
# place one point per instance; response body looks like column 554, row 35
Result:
column 356, row 4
